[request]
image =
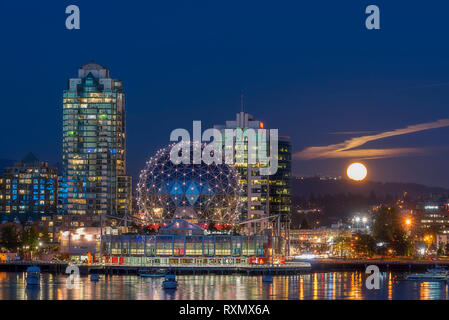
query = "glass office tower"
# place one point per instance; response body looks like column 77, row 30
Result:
column 259, row 188
column 94, row 180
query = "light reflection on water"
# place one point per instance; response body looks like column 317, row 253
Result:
column 327, row 286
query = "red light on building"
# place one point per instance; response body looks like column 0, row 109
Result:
column 261, row 125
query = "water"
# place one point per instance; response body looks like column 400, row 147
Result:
column 327, row 286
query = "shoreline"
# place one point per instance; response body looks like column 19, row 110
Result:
column 290, row 268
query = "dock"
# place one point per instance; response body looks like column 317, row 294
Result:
column 329, row 265
column 289, row 268
column 184, row 269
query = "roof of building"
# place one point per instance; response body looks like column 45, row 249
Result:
column 30, row 158
column 92, row 66
column 181, row 226
column 96, row 70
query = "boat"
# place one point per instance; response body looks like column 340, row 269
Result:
column 438, row 270
column 427, row 277
column 152, row 274
column 94, row 277
column 170, row 282
column 435, row 274
column 267, row 278
column 33, row 276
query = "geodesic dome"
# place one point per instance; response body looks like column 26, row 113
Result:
column 198, row 192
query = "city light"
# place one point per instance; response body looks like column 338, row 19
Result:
column 308, row 189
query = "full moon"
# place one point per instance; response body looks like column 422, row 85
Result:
column 357, row 171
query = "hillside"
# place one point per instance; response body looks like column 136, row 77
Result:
column 304, row 187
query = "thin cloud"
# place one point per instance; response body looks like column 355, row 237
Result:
column 344, row 149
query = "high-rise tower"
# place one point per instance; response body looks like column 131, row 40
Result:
column 264, row 196
column 94, row 180
column 29, row 187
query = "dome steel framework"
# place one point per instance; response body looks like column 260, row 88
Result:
column 198, row 192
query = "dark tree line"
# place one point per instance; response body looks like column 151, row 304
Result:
column 340, row 207
column 389, row 235
column 12, row 237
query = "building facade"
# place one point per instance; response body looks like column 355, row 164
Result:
column 81, row 244
column 317, row 241
column 433, row 216
column 30, row 186
column 94, row 180
column 184, row 242
column 58, row 223
column 264, row 196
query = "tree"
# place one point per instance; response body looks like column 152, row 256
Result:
column 10, row 237
column 383, row 227
column 365, row 244
column 304, row 224
column 342, row 245
column 30, row 237
column 401, row 243
column 45, row 236
column 441, row 250
column 389, row 229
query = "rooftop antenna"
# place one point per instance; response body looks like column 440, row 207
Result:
column 242, row 96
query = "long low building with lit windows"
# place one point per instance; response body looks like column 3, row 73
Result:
column 184, row 242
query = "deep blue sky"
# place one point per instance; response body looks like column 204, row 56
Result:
column 309, row 68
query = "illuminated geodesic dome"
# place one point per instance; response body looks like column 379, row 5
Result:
column 197, row 192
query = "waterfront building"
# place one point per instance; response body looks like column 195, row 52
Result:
column 29, row 186
column 94, row 180
column 57, row 224
column 81, row 244
column 54, row 224
column 317, row 241
column 263, row 196
column 184, row 242
column 433, row 216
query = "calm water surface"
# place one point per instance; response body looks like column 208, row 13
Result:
column 333, row 285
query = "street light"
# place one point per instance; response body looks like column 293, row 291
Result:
column 428, row 239
column 360, row 220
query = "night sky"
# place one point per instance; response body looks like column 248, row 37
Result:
column 309, row 68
